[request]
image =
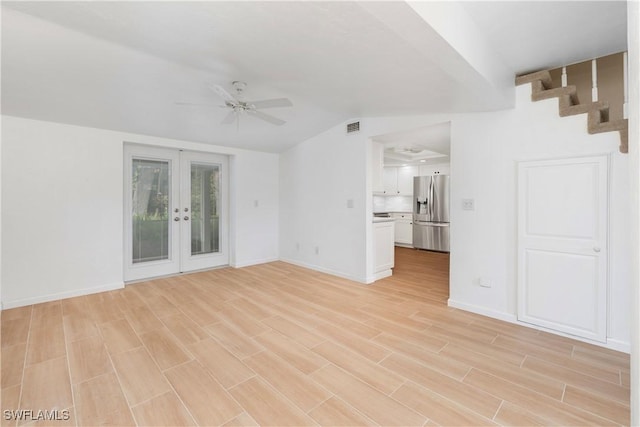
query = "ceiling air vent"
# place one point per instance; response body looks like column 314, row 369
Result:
column 353, row 127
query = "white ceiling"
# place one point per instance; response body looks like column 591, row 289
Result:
column 123, row 65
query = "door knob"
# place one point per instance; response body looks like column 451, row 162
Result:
column 176, row 210
column 186, row 218
column 596, row 249
column 176, row 218
column 186, row 209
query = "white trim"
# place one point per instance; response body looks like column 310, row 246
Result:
column 62, row 295
column 611, row 343
column 253, row 262
column 500, row 315
column 325, row 270
column 378, row 276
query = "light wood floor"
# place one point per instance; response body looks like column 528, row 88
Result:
column 276, row 344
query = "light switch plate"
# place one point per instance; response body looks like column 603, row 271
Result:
column 349, row 203
column 468, row 204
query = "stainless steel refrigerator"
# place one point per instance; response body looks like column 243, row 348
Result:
column 431, row 212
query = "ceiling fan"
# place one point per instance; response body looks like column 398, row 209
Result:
column 238, row 106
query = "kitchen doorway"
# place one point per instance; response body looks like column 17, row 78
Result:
column 176, row 211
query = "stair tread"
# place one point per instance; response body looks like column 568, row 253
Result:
column 621, row 125
column 544, row 76
column 554, row 93
column 572, row 110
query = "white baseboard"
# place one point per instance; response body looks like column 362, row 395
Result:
column 325, row 270
column 378, row 276
column 61, row 295
column 253, row 262
column 612, row 344
column 500, row 315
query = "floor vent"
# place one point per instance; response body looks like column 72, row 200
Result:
column 353, row 127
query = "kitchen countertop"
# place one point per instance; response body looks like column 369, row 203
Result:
column 382, row 219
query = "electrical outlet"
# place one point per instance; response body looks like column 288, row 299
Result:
column 350, row 203
column 255, row 203
column 317, row 250
column 468, row 204
column 297, row 247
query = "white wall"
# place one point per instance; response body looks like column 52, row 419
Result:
column 317, row 177
column 62, row 198
column 485, row 151
column 633, row 42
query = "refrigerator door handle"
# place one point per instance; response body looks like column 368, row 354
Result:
column 432, row 224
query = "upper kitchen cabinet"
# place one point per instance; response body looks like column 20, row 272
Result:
column 398, row 181
column 439, row 169
column 377, row 159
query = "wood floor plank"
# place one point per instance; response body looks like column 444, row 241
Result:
column 119, row 336
column 607, row 408
column 372, row 403
column 448, row 366
column 267, row 406
column 233, row 339
column 140, row 377
column 46, row 343
column 10, row 402
column 12, row 364
column 185, row 329
column 364, row 347
column 473, row 398
column 101, row 401
column 88, row 358
column 143, row 320
column 294, row 331
column 78, row 326
column 362, row 368
column 513, row 415
column 206, row 400
column 551, row 409
column 335, row 412
column 296, row 354
column 47, row 386
column 164, row 348
column 242, row 420
column 226, row 368
column 15, row 331
column 578, row 379
column 296, row 386
column 163, row 410
column 437, row 408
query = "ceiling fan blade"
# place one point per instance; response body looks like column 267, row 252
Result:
column 266, row 117
column 229, row 118
column 272, row 103
column 222, row 93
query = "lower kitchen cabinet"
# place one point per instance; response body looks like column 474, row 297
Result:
column 383, row 247
column 403, row 229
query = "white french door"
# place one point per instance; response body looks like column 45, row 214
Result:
column 562, row 245
column 176, row 211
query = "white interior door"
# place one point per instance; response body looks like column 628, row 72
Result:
column 562, row 245
column 176, row 211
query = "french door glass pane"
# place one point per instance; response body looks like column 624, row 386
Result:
column 150, row 205
column 205, row 194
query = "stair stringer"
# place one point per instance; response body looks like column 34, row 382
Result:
column 569, row 104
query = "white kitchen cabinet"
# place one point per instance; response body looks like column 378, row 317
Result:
column 403, row 229
column 390, row 181
column 377, row 166
column 405, row 179
column 383, row 247
column 439, row 169
column 398, row 181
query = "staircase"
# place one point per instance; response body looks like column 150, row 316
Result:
column 569, row 105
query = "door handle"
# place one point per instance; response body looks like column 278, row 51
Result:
column 596, row 249
column 186, row 218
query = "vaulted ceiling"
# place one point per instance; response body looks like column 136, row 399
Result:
column 124, row 65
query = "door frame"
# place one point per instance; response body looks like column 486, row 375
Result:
column 174, row 265
column 600, row 335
